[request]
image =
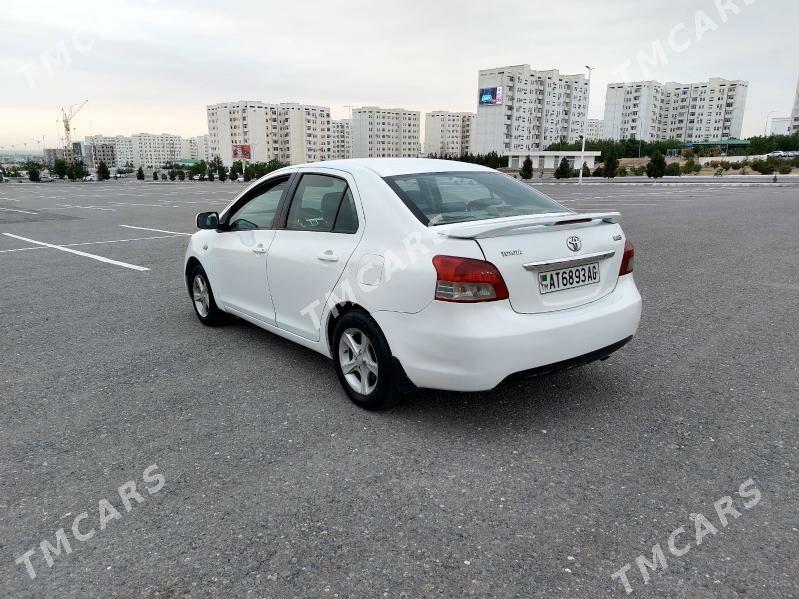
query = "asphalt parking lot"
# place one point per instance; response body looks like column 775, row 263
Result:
column 275, row 485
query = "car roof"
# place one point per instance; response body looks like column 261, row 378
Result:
column 389, row 167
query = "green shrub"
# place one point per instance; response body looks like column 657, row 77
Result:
column 725, row 165
column 784, row 169
column 623, row 171
column 673, row 169
column 736, row 166
column 599, row 172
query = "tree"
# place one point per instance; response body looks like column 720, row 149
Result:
column 60, row 168
column 527, row 168
column 611, row 165
column 163, row 176
column 210, row 174
column 221, row 172
column 140, row 174
column 656, row 167
column 103, row 173
column 77, row 170
column 586, row 170
column 563, row 171
column 155, row 176
column 181, row 175
column 173, row 174
column 34, row 171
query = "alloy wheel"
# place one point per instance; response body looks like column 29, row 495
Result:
column 358, row 361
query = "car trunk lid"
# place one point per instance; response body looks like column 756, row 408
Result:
column 528, row 250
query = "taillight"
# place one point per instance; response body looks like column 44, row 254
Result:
column 627, row 260
column 468, row 280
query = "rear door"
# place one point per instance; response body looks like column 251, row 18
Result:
column 308, row 255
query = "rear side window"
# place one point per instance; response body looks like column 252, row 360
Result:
column 441, row 198
column 322, row 203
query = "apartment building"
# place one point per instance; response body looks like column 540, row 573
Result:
column 200, row 148
column 710, row 110
column 520, row 109
column 633, row 110
column 341, row 141
column 53, row 154
column 795, row 112
column 780, row 126
column 594, row 129
column 448, row 133
column 123, row 148
column 385, row 133
column 290, row 132
column 94, row 154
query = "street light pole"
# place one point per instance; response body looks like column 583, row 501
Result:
column 585, row 126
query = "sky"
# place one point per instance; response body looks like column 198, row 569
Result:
column 151, row 66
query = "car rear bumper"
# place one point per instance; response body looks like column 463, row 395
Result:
column 463, row 347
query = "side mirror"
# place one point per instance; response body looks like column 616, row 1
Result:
column 207, row 220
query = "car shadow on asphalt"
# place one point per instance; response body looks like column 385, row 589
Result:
column 576, row 395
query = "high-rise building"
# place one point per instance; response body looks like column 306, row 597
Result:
column 711, row 110
column 289, row 132
column 94, row 154
column 53, row 154
column 795, row 112
column 780, row 126
column 523, row 110
column 594, row 129
column 123, row 147
column 341, row 142
column 448, row 133
column 201, row 147
column 385, row 133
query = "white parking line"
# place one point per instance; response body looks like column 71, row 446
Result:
column 69, row 245
column 156, row 230
column 84, row 254
column 23, row 211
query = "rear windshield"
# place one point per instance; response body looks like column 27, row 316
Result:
column 441, row 198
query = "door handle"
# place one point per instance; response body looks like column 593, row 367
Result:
column 328, row 256
column 259, row 249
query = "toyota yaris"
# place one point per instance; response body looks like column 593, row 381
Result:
column 416, row 273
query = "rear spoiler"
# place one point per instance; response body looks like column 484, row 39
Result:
column 503, row 226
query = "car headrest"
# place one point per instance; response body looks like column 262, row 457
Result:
column 330, row 202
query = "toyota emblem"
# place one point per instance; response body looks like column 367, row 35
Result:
column 574, row 243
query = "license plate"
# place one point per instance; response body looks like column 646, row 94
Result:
column 568, row 278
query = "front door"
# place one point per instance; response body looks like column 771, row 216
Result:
column 307, row 258
column 240, row 253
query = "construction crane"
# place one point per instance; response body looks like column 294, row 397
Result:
column 66, row 119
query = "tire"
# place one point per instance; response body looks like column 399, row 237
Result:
column 361, row 353
column 203, row 301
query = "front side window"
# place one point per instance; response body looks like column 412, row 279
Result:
column 322, row 203
column 259, row 211
column 442, row 198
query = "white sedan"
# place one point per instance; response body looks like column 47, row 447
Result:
column 416, row 273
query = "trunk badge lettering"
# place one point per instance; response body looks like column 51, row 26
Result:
column 511, row 253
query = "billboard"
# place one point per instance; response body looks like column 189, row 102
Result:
column 490, row 95
column 242, row 152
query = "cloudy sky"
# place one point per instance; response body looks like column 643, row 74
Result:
column 149, row 66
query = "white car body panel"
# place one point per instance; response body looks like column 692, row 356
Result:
column 386, row 268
